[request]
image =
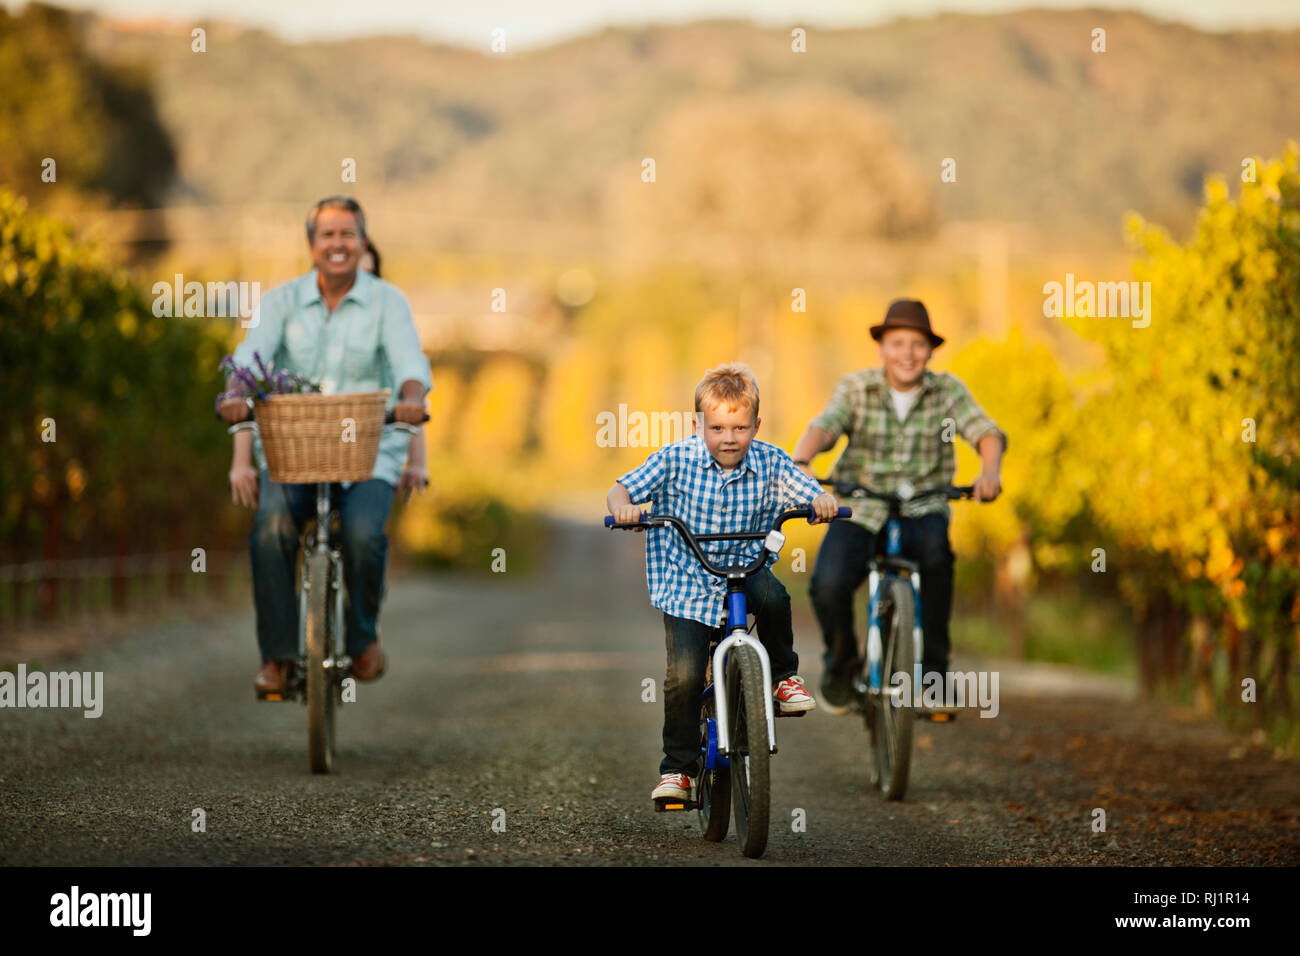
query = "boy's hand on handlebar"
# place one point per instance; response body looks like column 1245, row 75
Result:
column 243, row 485
column 627, row 514
column 825, row 508
column 986, row 487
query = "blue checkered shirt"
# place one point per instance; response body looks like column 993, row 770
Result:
column 682, row 479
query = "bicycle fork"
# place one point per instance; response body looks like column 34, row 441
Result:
column 320, row 545
column 875, row 645
column 736, row 618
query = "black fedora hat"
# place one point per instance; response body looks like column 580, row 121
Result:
column 907, row 314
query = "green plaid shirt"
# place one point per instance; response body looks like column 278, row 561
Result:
column 882, row 451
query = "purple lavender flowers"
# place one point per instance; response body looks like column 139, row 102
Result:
column 247, row 384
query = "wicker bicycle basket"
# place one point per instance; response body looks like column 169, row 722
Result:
column 309, row 438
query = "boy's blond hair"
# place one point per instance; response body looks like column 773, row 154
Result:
column 730, row 386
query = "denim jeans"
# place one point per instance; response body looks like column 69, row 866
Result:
column 842, row 567
column 282, row 510
column 688, row 657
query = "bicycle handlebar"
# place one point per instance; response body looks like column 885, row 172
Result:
column 850, row 489
column 388, row 419
column 662, row 521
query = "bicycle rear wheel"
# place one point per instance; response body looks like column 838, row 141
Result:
column 714, row 790
column 891, row 726
column 750, row 758
column 320, row 689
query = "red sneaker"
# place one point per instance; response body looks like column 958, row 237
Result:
column 792, row 696
column 674, row 785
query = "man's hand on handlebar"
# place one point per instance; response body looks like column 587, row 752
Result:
column 235, row 410
column 825, row 508
column 412, row 413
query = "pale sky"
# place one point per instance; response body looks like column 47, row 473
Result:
column 538, row 22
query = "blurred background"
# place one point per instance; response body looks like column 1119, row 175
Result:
column 1149, row 523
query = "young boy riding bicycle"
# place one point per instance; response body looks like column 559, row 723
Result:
column 901, row 420
column 718, row 480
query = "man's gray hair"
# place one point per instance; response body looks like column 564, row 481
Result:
column 346, row 203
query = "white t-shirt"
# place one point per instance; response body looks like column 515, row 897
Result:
column 903, row 401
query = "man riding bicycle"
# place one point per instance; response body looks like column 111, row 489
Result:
column 900, row 419
column 351, row 332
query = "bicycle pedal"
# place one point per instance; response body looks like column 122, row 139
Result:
column 797, row 713
column 274, row 696
column 673, row 804
column 937, row 717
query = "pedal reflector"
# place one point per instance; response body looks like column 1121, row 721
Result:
column 272, row 697
column 673, row 803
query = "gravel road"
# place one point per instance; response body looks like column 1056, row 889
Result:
column 524, row 695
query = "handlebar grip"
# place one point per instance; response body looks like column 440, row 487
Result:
column 217, row 412
column 844, row 512
column 390, row 420
column 610, row 522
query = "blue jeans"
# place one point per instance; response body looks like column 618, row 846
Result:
column 688, row 658
column 842, row 567
column 282, row 510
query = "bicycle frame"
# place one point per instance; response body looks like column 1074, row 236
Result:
column 338, row 659
column 737, row 615
column 876, row 581
column 880, row 572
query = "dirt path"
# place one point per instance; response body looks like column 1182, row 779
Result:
column 524, row 695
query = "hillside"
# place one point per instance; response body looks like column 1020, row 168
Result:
column 1042, row 129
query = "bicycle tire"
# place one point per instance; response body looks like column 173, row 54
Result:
column 714, row 790
column 320, row 692
column 750, row 760
column 891, row 728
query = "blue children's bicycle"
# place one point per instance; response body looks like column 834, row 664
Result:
column 734, row 750
column 894, row 643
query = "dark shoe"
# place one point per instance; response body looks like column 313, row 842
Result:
column 269, row 679
column 371, row 664
column 944, row 712
column 837, row 695
column 928, row 666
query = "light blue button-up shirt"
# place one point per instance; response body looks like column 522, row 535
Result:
column 366, row 344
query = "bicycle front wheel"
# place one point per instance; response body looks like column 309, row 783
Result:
column 750, row 758
column 320, row 690
column 891, row 726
